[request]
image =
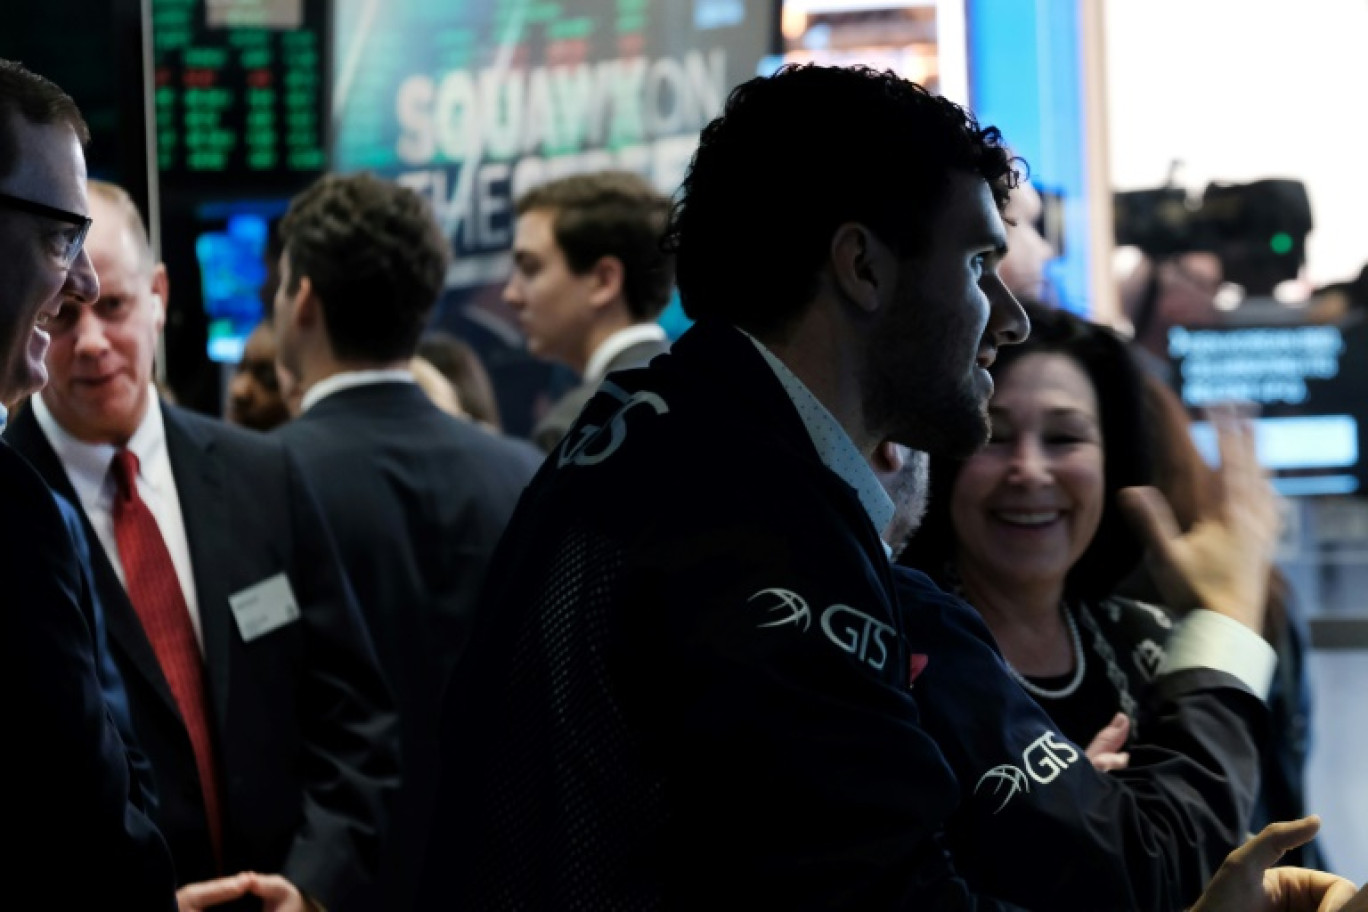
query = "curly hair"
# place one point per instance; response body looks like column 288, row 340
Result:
column 1106, row 358
column 37, row 100
column 795, row 155
column 376, row 257
column 611, row 213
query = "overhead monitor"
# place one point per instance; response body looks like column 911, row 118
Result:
column 231, row 250
column 1308, row 386
column 239, row 90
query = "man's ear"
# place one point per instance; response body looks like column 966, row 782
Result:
column 607, row 277
column 888, row 458
column 863, row 267
column 306, row 310
column 161, row 293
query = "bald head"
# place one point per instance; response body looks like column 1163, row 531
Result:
column 101, row 361
column 120, row 211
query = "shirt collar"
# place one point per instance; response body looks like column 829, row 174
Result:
column 618, row 343
column 350, row 379
column 89, row 462
column 834, row 446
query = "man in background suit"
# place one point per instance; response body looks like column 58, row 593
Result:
column 75, row 832
column 589, row 280
column 253, row 686
column 416, row 498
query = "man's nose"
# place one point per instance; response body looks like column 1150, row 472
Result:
column 512, row 292
column 91, row 340
column 240, row 388
column 1007, row 320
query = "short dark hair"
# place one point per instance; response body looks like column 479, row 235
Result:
column 616, row 214
column 39, row 101
column 1106, row 358
column 795, row 155
column 459, row 363
column 375, row 255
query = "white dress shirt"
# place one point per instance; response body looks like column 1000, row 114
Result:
column 616, row 344
column 88, row 464
column 349, row 379
column 834, row 446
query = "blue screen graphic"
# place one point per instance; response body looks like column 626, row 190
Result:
column 232, row 269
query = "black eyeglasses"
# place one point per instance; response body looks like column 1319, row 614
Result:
column 69, row 241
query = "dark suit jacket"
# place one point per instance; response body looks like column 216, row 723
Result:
column 718, row 693
column 73, row 828
column 553, row 425
column 111, row 681
column 417, row 501
column 304, row 722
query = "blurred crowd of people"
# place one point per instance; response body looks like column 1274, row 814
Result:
column 885, row 586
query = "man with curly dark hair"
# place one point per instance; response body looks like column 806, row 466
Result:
column 691, row 684
column 415, row 498
column 686, row 688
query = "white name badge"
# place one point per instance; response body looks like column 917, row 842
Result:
column 268, row 605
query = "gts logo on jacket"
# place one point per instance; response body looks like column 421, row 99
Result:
column 591, row 444
column 1042, row 761
column 849, row 630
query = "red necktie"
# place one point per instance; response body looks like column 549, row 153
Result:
column 155, row 591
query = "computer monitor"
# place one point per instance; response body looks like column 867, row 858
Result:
column 1307, row 386
column 232, row 262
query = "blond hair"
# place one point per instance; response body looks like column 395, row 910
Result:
column 123, row 204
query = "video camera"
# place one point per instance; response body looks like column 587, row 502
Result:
column 1257, row 230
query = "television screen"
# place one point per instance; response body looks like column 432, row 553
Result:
column 1307, row 385
column 232, row 261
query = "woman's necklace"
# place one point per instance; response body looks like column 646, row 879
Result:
column 1080, row 665
column 956, row 585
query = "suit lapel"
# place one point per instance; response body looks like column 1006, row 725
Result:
column 121, row 619
column 205, row 511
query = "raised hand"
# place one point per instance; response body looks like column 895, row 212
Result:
column 1248, row 882
column 1223, row 561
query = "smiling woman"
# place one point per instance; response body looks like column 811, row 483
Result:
column 1030, row 529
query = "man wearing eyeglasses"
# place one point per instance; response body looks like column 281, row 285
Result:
column 252, row 682
column 68, row 803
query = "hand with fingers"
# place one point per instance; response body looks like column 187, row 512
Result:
column 1248, row 882
column 206, row 894
column 1104, row 751
column 275, row 892
column 1223, row 561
